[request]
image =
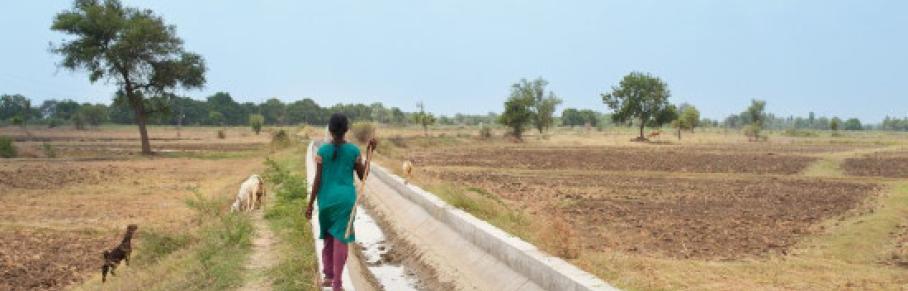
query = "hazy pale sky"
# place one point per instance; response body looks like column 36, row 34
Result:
column 841, row 58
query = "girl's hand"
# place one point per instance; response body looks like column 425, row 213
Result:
column 309, row 212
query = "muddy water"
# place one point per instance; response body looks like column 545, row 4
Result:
column 378, row 254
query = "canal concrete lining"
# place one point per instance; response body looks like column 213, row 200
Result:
column 460, row 251
column 467, row 244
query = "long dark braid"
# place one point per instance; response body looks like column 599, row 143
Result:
column 338, row 125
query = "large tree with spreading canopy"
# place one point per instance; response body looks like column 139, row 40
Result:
column 642, row 97
column 132, row 48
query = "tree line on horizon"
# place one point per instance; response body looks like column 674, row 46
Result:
column 219, row 109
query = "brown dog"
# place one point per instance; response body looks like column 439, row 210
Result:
column 113, row 257
column 260, row 194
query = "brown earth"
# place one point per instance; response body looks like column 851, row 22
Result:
column 48, row 259
column 686, row 217
column 886, row 164
column 670, row 159
column 60, row 213
column 899, row 254
column 60, row 174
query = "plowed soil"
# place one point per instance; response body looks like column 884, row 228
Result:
column 669, row 159
column 683, row 217
column 890, row 165
column 46, row 176
column 48, row 259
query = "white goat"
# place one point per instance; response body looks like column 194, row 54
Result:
column 251, row 195
column 408, row 169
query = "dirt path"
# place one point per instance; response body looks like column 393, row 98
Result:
column 263, row 256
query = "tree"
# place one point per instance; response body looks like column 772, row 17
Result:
column 231, row 110
column 306, row 111
column 256, row 121
column 689, row 117
column 853, row 124
column 78, row 120
column 216, row 118
column 423, row 118
column 15, row 107
column 398, row 116
column 571, row 117
column 639, row 96
column 134, row 49
column 62, row 110
column 543, row 104
column 92, row 115
column 756, row 116
column 379, row 113
column 517, row 111
column 274, row 111
column 26, row 113
column 834, row 124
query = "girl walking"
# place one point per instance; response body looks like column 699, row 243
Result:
column 333, row 187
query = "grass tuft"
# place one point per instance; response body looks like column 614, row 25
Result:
column 7, row 149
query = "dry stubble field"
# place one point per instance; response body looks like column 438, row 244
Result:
column 60, row 212
column 711, row 211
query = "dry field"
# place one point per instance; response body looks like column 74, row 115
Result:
column 62, row 208
column 887, row 164
column 709, row 212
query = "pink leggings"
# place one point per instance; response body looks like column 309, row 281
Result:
column 334, row 256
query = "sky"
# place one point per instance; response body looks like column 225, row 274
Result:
column 835, row 58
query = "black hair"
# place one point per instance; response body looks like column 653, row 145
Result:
column 338, row 126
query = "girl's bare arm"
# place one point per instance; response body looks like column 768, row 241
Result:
column 360, row 167
column 316, row 185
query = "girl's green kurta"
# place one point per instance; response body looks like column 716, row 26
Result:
column 337, row 192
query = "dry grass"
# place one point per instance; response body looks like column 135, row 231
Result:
column 104, row 185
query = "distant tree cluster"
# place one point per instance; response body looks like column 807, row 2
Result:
column 573, row 117
column 529, row 105
column 892, row 123
column 218, row 109
column 791, row 122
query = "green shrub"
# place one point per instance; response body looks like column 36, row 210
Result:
column 363, row 131
column 17, row 120
column 204, row 207
column 294, row 187
column 53, row 122
column 79, row 121
column 799, row 133
column 156, row 245
column 49, row 150
column 7, row 148
column 256, row 121
column 485, row 132
column 754, row 133
column 280, row 139
column 274, row 172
